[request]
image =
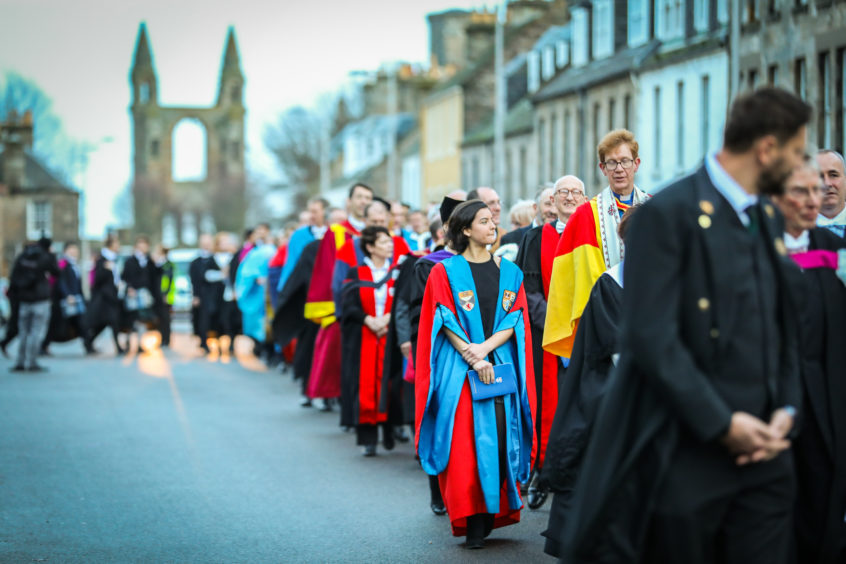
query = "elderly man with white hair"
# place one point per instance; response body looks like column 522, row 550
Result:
column 537, row 252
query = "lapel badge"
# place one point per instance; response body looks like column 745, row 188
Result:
column 467, row 300
column 779, row 246
column 508, row 299
column 706, row 207
column 704, row 221
column 768, row 209
column 704, row 304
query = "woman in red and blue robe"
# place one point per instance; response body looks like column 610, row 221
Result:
column 475, row 316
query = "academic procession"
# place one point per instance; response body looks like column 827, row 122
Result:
column 661, row 370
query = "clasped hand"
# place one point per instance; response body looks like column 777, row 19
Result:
column 378, row 325
column 474, row 352
column 752, row 440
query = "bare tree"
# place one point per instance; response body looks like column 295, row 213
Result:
column 295, row 141
column 53, row 148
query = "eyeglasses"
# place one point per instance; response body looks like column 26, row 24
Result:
column 565, row 192
column 612, row 164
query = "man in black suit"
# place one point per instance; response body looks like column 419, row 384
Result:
column 687, row 461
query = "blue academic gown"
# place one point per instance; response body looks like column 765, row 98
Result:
column 251, row 295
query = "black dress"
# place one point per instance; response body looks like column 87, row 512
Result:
column 486, row 280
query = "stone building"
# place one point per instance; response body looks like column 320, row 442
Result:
column 800, row 46
column 33, row 202
column 464, row 103
column 172, row 210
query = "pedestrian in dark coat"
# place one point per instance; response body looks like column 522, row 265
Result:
column 29, row 282
column 105, row 308
column 67, row 319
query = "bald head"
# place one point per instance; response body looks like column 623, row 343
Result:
column 490, row 198
column 376, row 214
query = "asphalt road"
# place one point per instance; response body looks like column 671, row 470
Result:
column 172, row 457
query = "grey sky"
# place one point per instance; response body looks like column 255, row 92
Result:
column 80, row 51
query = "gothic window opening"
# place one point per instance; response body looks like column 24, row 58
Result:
column 190, row 151
column 144, row 93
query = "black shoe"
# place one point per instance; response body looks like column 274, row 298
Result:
column 327, row 405
column 37, row 368
column 388, row 440
column 3, row 346
column 205, row 350
column 44, row 352
column 401, row 435
column 18, row 368
column 89, row 350
column 122, row 351
column 305, row 402
column 537, row 494
column 438, row 507
column 369, row 450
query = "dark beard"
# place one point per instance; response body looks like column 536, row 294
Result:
column 772, row 179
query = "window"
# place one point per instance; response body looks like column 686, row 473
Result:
column 548, row 67
column 207, row 223
column 656, row 121
column 750, row 11
column 824, row 117
column 669, row 19
column 567, row 161
column 841, row 95
column 705, row 115
column 581, row 33
column 596, row 136
column 540, row 152
column 154, row 148
column 524, row 169
column 680, row 125
column 603, row 28
column 638, row 22
column 612, row 110
column 144, row 93
column 236, row 94
column 170, row 236
column 627, row 111
column 553, row 147
column 701, row 15
column 189, row 229
column 562, row 50
column 533, row 71
column 189, row 147
column 509, row 175
column 722, row 11
column 476, row 172
column 800, row 79
column 772, row 75
column 753, row 78
column 39, row 219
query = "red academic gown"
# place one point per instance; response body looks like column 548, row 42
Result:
column 549, row 380
column 459, row 482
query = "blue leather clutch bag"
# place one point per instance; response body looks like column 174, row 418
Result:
column 505, row 382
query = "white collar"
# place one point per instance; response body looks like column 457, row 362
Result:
column 839, row 219
column 560, row 225
column 375, row 268
column 798, row 244
column 359, row 225
column 738, row 198
column 109, row 254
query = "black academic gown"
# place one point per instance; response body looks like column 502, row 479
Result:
column 678, row 321
column 137, row 277
column 105, row 308
column 595, row 344
column 820, row 448
column 288, row 321
column 397, row 398
column 63, row 329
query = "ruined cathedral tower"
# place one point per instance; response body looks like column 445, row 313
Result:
column 175, row 212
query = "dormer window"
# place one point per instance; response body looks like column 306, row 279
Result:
column 581, row 35
column 533, row 71
column 562, row 54
column 236, row 93
column 638, row 22
column 144, row 93
column 548, row 67
column 670, row 19
column 603, row 29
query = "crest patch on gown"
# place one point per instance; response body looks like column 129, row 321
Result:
column 467, row 299
column 508, row 299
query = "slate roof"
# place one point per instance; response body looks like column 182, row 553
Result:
column 37, row 177
column 574, row 79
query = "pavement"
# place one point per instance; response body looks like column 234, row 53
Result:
column 174, row 457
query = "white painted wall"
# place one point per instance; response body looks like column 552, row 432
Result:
column 658, row 153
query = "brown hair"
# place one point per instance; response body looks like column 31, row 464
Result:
column 766, row 111
column 623, row 228
column 613, row 140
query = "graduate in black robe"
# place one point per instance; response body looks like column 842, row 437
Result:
column 288, row 320
column 207, row 286
column 820, row 449
column 141, row 275
column 105, row 309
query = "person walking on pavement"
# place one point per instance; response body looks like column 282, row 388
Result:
column 29, row 283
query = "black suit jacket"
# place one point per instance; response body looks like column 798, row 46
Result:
column 676, row 319
column 515, row 236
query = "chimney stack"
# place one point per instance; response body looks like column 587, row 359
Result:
column 16, row 138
